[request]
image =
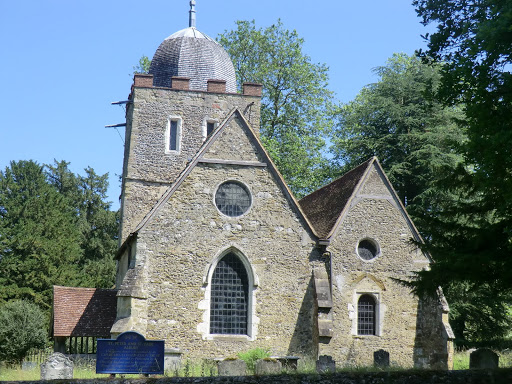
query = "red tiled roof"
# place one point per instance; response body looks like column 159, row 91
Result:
column 83, row 311
column 324, row 206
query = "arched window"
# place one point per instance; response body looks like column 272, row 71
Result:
column 366, row 310
column 229, row 300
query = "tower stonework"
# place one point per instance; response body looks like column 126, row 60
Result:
column 149, row 166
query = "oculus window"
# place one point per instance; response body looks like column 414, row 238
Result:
column 232, row 198
column 229, row 300
column 367, row 249
column 366, row 314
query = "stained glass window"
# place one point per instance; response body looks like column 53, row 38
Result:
column 232, row 199
column 367, row 249
column 366, row 315
column 229, row 300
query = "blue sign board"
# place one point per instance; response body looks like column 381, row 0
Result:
column 130, row 353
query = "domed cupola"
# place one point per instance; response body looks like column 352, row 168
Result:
column 190, row 53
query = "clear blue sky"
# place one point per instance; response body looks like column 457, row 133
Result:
column 63, row 62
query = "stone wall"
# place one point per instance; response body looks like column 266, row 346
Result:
column 375, row 214
column 148, row 168
column 501, row 376
column 179, row 246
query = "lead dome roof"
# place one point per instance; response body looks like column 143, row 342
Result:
column 190, row 53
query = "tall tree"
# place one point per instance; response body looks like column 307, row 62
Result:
column 474, row 40
column 97, row 224
column 296, row 100
column 39, row 241
column 399, row 120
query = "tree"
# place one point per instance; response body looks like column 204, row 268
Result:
column 55, row 229
column 22, row 327
column 98, row 225
column 399, row 120
column 39, row 243
column 295, row 103
column 142, row 66
column 474, row 40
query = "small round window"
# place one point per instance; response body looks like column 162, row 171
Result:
column 367, row 249
column 232, row 199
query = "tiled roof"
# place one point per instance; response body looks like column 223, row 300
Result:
column 324, row 206
column 190, row 53
column 83, row 311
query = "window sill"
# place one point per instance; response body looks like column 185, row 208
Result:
column 221, row 337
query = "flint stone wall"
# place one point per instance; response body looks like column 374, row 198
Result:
column 375, row 215
column 178, row 247
column 147, row 167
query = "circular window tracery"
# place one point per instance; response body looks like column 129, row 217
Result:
column 232, row 198
column 367, row 249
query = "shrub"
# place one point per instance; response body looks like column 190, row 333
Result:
column 22, row 327
column 251, row 356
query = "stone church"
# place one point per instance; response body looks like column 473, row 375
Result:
column 218, row 257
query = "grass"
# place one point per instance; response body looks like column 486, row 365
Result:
column 203, row 368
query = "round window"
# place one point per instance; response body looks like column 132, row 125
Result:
column 232, row 199
column 367, row 249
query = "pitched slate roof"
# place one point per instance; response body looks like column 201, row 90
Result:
column 83, row 311
column 324, row 206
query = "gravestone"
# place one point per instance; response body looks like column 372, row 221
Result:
column 325, row 364
column 172, row 360
column 267, row 367
column 231, row 367
column 381, row 359
column 57, row 367
column 483, row 358
column 130, row 353
column 287, row 362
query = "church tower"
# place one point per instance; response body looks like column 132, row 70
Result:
column 190, row 88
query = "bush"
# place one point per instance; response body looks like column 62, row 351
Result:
column 251, row 356
column 22, row 327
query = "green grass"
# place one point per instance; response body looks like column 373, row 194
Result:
column 204, row 368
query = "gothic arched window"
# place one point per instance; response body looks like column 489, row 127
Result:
column 229, row 298
column 366, row 315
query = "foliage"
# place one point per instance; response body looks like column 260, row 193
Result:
column 474, row 40
column 251, row 356
column 97, row 223
column 142, row 66
column 21, row 329
column 296, row 100
column 38, row 238
column 399, row 120
column 55, row 229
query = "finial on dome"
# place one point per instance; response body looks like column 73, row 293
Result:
column 192, row 14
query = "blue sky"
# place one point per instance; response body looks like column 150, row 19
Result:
column 63, row 62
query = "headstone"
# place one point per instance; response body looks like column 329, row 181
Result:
column 172, row 360
column 267, row 367
column 325, row 364
column 288, row 362
column 130, row 353
column 483, row 358
column 231, row 367
column 381, row 359
column 57, row 367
